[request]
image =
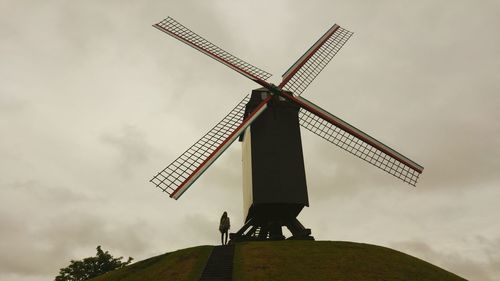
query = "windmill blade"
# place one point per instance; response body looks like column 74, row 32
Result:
column 355, row 141
column 183, row 34
column 298, row 77
column 177, row 177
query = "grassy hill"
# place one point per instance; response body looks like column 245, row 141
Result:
column 290, row 261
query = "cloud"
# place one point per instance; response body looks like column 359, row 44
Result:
column 473, row 267
column 40, row 193
column 11, row 104
column 38, row 238
column 93, row 103
column 38, row 249
column 132, row 148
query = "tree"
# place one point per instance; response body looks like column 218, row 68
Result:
column 91, row 267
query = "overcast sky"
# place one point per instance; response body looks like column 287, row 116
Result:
column 94, row 101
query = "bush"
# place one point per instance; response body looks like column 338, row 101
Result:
column 91, row 267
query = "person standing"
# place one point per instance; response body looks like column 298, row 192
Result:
column 224, row 228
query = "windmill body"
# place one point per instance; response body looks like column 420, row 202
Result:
column 268, row 124
column 274, row 181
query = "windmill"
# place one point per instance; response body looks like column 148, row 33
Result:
column 268, row 123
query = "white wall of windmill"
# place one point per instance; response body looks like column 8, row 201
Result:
column 246, row 149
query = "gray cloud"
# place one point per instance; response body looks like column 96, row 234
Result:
column 31, row 189
column 26, row 249
column 466, row 266
column 34, row 228
column 132, row 147
column 93, row 102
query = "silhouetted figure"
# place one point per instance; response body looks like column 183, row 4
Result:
column 224, row 228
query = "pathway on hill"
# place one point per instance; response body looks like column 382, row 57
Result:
column 219, row 265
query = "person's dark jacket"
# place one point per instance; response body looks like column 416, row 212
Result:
column 224, row 224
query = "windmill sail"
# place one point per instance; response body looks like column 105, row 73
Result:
column 298, row 77
column 183, row 34
column 356, row 142
column 178, row 176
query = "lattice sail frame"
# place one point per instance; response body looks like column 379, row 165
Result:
column 298, row 77
column 376, row 153
column 185, row 35
column 170, row 178
column 178, row 176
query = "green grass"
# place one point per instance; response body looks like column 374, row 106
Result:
column 325, row 260
column 182, row 265
column 289, row 261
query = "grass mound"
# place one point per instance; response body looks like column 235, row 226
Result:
column 289, row 261
column 186, row 264
column 326, row 260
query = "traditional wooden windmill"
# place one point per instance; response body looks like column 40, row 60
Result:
column 267, row 122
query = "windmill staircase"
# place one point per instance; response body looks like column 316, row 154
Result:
column 219, row 265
